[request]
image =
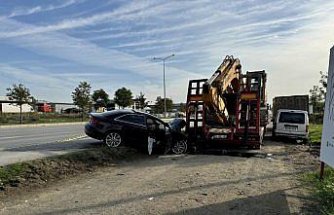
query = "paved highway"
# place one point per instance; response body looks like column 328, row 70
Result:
column 21, row 143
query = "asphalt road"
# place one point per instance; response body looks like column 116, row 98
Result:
column 28, row 143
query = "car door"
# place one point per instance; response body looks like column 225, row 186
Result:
column 156, row 130
column 133, row 129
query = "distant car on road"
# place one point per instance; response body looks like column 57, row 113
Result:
column 72, row 110
column 133, row 128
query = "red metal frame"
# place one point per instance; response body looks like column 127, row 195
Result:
column 237, row 134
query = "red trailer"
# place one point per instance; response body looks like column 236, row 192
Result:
column 228, row 110
column 44, row 107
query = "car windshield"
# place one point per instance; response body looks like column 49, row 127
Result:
column 289, row 117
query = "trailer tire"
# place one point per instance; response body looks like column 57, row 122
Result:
column 201, row 147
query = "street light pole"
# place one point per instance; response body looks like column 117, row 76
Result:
column 164, row 77
column 164, row 82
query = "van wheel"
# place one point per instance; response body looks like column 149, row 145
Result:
column 305, row 141
column 113, row 139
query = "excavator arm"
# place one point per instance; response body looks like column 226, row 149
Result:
column 225, row 80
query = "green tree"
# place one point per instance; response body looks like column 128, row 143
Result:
column 100, row 98
column 123, row 97
column 20, row 94
column 141, row 101
column 323, row 83
column 33, row 104
column 182, row 107
column 159, row 105
column 318, row 93
column 81, row 97
column 316, row 99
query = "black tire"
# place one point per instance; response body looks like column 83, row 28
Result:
column 180, row 147
column 113, row 139
column 273, row 136
column 202, row 147
column 258, row 147
column 306, row 141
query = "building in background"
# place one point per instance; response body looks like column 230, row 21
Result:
column 7, row 106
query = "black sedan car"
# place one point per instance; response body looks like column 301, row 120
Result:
column 137, row 129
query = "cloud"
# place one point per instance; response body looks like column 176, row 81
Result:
column 78, row 22
column 37, row 81
column 279, row 36
column 38, row 9
column 31, row 75
column 85, row 53
column 80, row 51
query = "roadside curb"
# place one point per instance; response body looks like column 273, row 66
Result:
column 42, row 125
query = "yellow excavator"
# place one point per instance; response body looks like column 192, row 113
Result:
column 229, row 109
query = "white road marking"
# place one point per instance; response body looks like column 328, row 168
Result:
column 71, row 139
column 12, row 137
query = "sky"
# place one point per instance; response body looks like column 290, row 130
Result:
column 50, row 46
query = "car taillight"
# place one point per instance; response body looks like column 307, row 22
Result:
column 307, row 128
column 94, row 121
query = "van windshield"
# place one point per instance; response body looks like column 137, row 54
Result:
column 292, row 117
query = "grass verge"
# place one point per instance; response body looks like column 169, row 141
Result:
column 39, row 172
column 35, row 118
column 10, row 173
column 323, row 190
column 315, row 133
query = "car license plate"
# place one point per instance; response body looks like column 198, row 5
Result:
column 291, row 127
column 219, row 136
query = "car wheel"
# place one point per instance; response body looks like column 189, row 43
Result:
column 180, row 147
column 113, row 139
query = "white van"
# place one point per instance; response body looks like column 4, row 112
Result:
column 291, row 123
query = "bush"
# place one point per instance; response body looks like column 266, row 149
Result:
column 10, row 172
column 324, row 190
column 315, row 133
column 316, row 118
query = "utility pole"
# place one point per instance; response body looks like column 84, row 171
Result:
column 163, row 59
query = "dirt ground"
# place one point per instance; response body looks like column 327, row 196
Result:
column 262, row 183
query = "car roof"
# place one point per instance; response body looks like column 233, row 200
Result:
column 112, row 112
column 292, row 111
column 122, row 112
column 147, row 114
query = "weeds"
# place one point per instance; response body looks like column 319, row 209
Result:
column 11, row 172
column 315, row 133
column 58, row 167
column 323, row 190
